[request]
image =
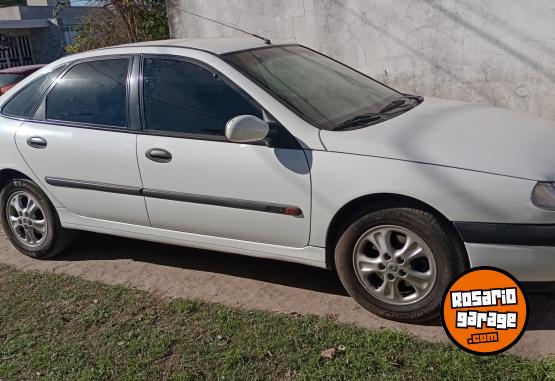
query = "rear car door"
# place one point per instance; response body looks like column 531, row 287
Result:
column 197, row 181
column 81, row 143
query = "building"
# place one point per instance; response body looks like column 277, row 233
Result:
column 30, row 34
column 494, row 52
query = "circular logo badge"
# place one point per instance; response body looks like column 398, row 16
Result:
column 484, row 311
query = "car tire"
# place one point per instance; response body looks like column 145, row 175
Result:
column 30, row 221
column 397, row 262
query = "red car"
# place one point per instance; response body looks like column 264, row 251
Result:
column 11, row 76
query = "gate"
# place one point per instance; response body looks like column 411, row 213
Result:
column 15, row 51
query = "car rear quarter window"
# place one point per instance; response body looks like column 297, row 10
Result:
column 92, row 92
column 182, row 97
column 22, row 104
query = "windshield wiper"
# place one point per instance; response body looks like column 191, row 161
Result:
column 364, row 119
column 358, row 120
column 400, row 103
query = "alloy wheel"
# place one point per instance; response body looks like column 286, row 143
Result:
column 394, row 264
column 26, row 219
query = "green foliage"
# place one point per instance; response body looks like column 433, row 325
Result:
column 119, row 22
column 154, row 20
column 55, row 327
column 102, row 28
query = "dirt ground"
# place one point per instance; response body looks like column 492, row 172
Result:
column 238, row 281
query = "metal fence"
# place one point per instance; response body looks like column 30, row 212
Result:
column 16, row 53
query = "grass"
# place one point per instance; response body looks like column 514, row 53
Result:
column 55, row 327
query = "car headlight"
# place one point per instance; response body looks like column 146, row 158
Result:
column 543, row 196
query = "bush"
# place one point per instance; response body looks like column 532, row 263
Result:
column 118, row 22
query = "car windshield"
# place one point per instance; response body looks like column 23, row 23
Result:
column 321, row 90
column 9, row 79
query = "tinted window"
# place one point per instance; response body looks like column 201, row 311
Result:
column 91, row 92
column 184, row 97
column 23, row 102
column 9, row 79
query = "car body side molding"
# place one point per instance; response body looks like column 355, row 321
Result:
column 177, row 196
column 95, row 186
column 224, row 201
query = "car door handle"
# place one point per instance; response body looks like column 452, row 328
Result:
column 159, row 155
column 37, row 142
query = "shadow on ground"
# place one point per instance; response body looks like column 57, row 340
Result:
column 102, row 247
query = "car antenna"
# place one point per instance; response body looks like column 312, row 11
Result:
column 266, row 41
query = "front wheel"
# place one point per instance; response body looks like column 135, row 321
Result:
column 397, row 263
column 30, row 221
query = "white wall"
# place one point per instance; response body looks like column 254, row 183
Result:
column 41, row 3
column 497, row 52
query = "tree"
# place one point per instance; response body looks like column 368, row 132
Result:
column 101, row 28
column 115, row 22
column 154, row 19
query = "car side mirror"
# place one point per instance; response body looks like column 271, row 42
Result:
column 246, row 129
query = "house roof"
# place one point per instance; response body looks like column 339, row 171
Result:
column 214, row 45
column 24, row 24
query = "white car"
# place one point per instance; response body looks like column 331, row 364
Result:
column 276, row 151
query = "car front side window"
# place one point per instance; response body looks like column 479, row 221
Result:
column 92, row 92
column 182, row 97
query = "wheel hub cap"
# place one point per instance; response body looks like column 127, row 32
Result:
column 394, row 264
column 26, row 219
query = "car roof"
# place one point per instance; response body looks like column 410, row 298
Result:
column 220, row 45
column 22, row 69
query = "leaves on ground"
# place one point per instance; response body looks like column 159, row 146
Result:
column 49, row 326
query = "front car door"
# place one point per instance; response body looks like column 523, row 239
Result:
column 196, row 181
column 80, row 143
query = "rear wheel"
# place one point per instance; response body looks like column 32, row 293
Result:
column 30, row 221
column 397, row 262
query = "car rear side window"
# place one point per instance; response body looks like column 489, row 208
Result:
column 22, row 104
column 91, row 93
column 182, row 97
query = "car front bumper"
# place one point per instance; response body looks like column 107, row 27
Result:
column 525, row 251
column 526, row 263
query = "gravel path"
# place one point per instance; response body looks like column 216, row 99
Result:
column 238, row 281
